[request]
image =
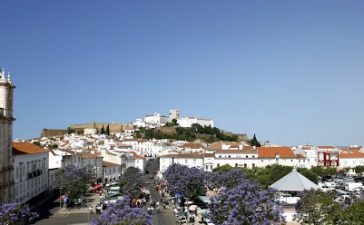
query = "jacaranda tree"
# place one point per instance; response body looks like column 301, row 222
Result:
column 130, row 182
column 121, row 213
column 245, row 204
column 13, row 214
column 184, row 180
column 227, row 179
column 74, row 180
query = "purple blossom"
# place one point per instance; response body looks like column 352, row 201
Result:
column 245, row 204
column 184, row 180
column 226, row 179
column 121, row 213
column 74, row 180
column 13, row 214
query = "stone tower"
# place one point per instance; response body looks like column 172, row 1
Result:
column 6, row 133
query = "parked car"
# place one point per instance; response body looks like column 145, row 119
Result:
column 351, row 186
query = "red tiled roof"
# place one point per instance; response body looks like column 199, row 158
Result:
column 218, row 145
column 355, row 154
column 192, row 145
column 90, row 155
column 27, row 148
column 271, row 152
column 300, row 156
column 245, row 150
column 136, row 156
column 187, row 155
column 326, row 147
column 109, row 164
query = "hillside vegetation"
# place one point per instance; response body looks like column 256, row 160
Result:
column 196, row 131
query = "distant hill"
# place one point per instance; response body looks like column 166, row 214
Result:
column 196, row 132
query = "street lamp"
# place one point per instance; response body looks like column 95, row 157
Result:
column 60, row 197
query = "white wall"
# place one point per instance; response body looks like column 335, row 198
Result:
column 190, row 162
column 27, row 165
column 188, row 121
column 351, row 162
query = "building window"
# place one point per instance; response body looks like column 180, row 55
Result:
column 253, row 156
column 236, row 165
column 245, row 165
column 247, row 156
column 253, row 165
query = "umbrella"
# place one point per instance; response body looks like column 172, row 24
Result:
column 179, row 195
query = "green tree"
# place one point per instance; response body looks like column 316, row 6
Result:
column 317, row 207
column 70, row 130
column 53, row 146
column 107, row 130
column 354, row 214
column 37, row 143
column 223, row 168
column 174, row 122
column 330, row 171
column 308, row 174
column 277, row 172
column 359, row 169
column 318, row 170
column 102, row 130
column 254, row 142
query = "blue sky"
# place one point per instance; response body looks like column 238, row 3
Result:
column 290, row 71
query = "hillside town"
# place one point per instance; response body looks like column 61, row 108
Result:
column 34, row 171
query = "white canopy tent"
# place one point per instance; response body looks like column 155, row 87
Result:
column 294, row 181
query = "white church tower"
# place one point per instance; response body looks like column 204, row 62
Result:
column 6, row 133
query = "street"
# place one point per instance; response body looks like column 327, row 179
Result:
column 50, row 213
column 166, row 216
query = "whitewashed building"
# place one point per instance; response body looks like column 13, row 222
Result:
column 188, row 121
column 247, row 157
column 351, row 157
column 156, row 120
column 31, row 171
column 187, row 159
column 111, row 172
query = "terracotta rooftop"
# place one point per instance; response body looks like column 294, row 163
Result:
column 27, row 148
column 136, row 156
column 300, row 156
column 326, row 147
column 187, row 155
column 109, row 164
column 355, row 154
column 245, row 150
column 218, row 145
column 192, row 145
column 90, row 155
column 271, row 152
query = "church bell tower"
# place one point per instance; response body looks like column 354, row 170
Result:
column 6, row 133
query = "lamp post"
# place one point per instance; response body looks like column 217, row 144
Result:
column 60, row 197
